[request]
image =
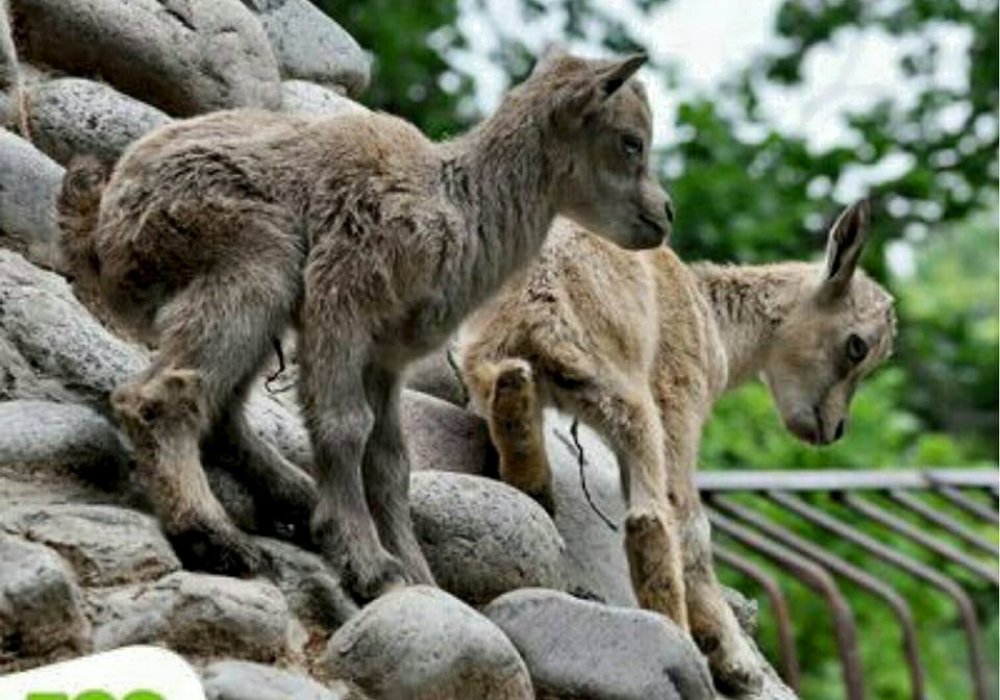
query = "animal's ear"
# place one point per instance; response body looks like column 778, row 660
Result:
column 845, row 242
column 611, row 77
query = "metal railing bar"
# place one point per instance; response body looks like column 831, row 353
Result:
column 967, row 612
column 843, row 479
column 820, row 581
column 840, row 567
column 942, row 520
column 886, row 519
column 787, row 652
column 970, row 506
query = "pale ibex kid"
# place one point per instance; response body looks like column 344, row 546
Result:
column 639, row 346
column 212, row 235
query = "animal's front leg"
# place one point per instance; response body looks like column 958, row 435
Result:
column 386, row 472
column 340, row 421
column 630, row 422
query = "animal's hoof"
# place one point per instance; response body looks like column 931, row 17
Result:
column 218, row 550
column 370, row 581
column 514, row 376
column 734, row 666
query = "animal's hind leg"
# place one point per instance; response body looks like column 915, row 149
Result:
column 213, row 334
column 386, row 471
column 713, row 624
column 514, row 416
column 283, row 493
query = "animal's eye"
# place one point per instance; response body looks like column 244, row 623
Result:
column 857, row 348
column 632, row 145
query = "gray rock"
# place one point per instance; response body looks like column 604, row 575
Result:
column 595, row 565
column 443, row 437
column 72, row 116
column 582, row 649
column 29, row 184
column 242, row 680
column 196, row 614
column 183, row 56
column 311, row 46
column 40, row 604
column 302, row 97
column 105, row 545
column 436, row 375
column 422, row 644
column 483, row 538
column 312, row 590
column 44, row 436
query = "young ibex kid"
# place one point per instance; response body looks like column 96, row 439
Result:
column 212, row 235
column 640, row 346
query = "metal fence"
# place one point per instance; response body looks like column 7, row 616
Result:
column 948, row 517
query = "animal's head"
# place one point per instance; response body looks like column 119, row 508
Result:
column 838, row 331
column 600, row 128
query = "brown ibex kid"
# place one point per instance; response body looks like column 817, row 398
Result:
column 212, row 235
column 639, row 346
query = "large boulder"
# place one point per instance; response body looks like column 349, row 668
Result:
column 183, row 56
column 196, row 614
column 443, row 437
column 483, row 538
column 582, row 649
column 595, row 565
column 44, row 438
column 303, row 97
column 29, row 185
column 309, row 585
column 105, row 545
column 243, row 680
column 73, row 116
column 40, row 605
column 311, row 46
column 422, row 644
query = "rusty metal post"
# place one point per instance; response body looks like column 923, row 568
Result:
column 966, row 611
column 943, row 521
column 967, row 504
column 820, row 581
column 779, row 604
column 883, row 517
column 840, row 567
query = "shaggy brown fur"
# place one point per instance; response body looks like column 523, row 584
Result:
column 214, row 234
column 640, row 346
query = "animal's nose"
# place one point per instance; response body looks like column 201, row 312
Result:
column 668, row 209
column 838, row 432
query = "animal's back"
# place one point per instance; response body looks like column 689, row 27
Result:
column 637, row 315
column 227, row 191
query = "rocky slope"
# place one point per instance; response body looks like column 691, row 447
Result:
column 528, row 606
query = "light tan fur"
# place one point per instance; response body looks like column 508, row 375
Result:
column 640, row 346
column 213, row 234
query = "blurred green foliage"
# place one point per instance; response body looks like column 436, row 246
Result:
column 747, row 192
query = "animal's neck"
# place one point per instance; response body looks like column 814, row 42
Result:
column 749, row 303
column 500, row 176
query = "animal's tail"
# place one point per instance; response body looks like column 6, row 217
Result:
column 77, row 207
